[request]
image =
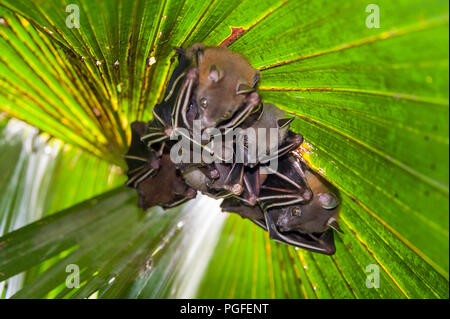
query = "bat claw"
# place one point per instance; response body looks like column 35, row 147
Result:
column 190, row 193
column 168, row 130
column 192, row 74
column 252, row 200
column 214, row 174
column 237, row 189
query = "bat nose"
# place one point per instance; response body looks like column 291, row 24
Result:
column 282, row 223
column 206, row 122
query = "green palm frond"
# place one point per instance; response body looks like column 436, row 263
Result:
column 372, row 104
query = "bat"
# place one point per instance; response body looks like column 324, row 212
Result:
column 226, row 90
column 292, row 203
column 153, row 174
column 218, row 75
column 267, row 147
column 230, row 177
column 295, row 205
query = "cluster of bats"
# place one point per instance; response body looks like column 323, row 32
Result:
column 218, row 88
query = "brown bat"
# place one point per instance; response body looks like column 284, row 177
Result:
column 314, row 216
column 307, row 225
column 212, row 84
column 165, row 188
column 294, row 204
column 153, row 174
column 225, row 93
column 141, row 161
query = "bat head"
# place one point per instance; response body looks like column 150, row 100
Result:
column 313, row 216
column 225, row 79
column 322, row 242
column 308, row 224
column 310, row 217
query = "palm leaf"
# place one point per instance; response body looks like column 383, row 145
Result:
column 38, row 184
column 372, row 104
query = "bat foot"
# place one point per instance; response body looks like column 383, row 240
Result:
column 190, row 193
column 307, row 195
column 237, row 189
column 168, row 130
column 252, row 200
column 192, row 74
column 214, row 174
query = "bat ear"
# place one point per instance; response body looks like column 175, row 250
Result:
column 332, row 222
column 284, row 122
column 256, row 79
column 243, row 88
column 214, row 74
column 328, row 200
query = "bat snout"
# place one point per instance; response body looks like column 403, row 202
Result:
column 207, row 122
column 283, row 224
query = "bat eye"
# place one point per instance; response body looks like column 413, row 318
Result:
column 296, row 211
column 204, row 102
column 227, row 115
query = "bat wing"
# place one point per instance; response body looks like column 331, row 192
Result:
column 254, row 213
